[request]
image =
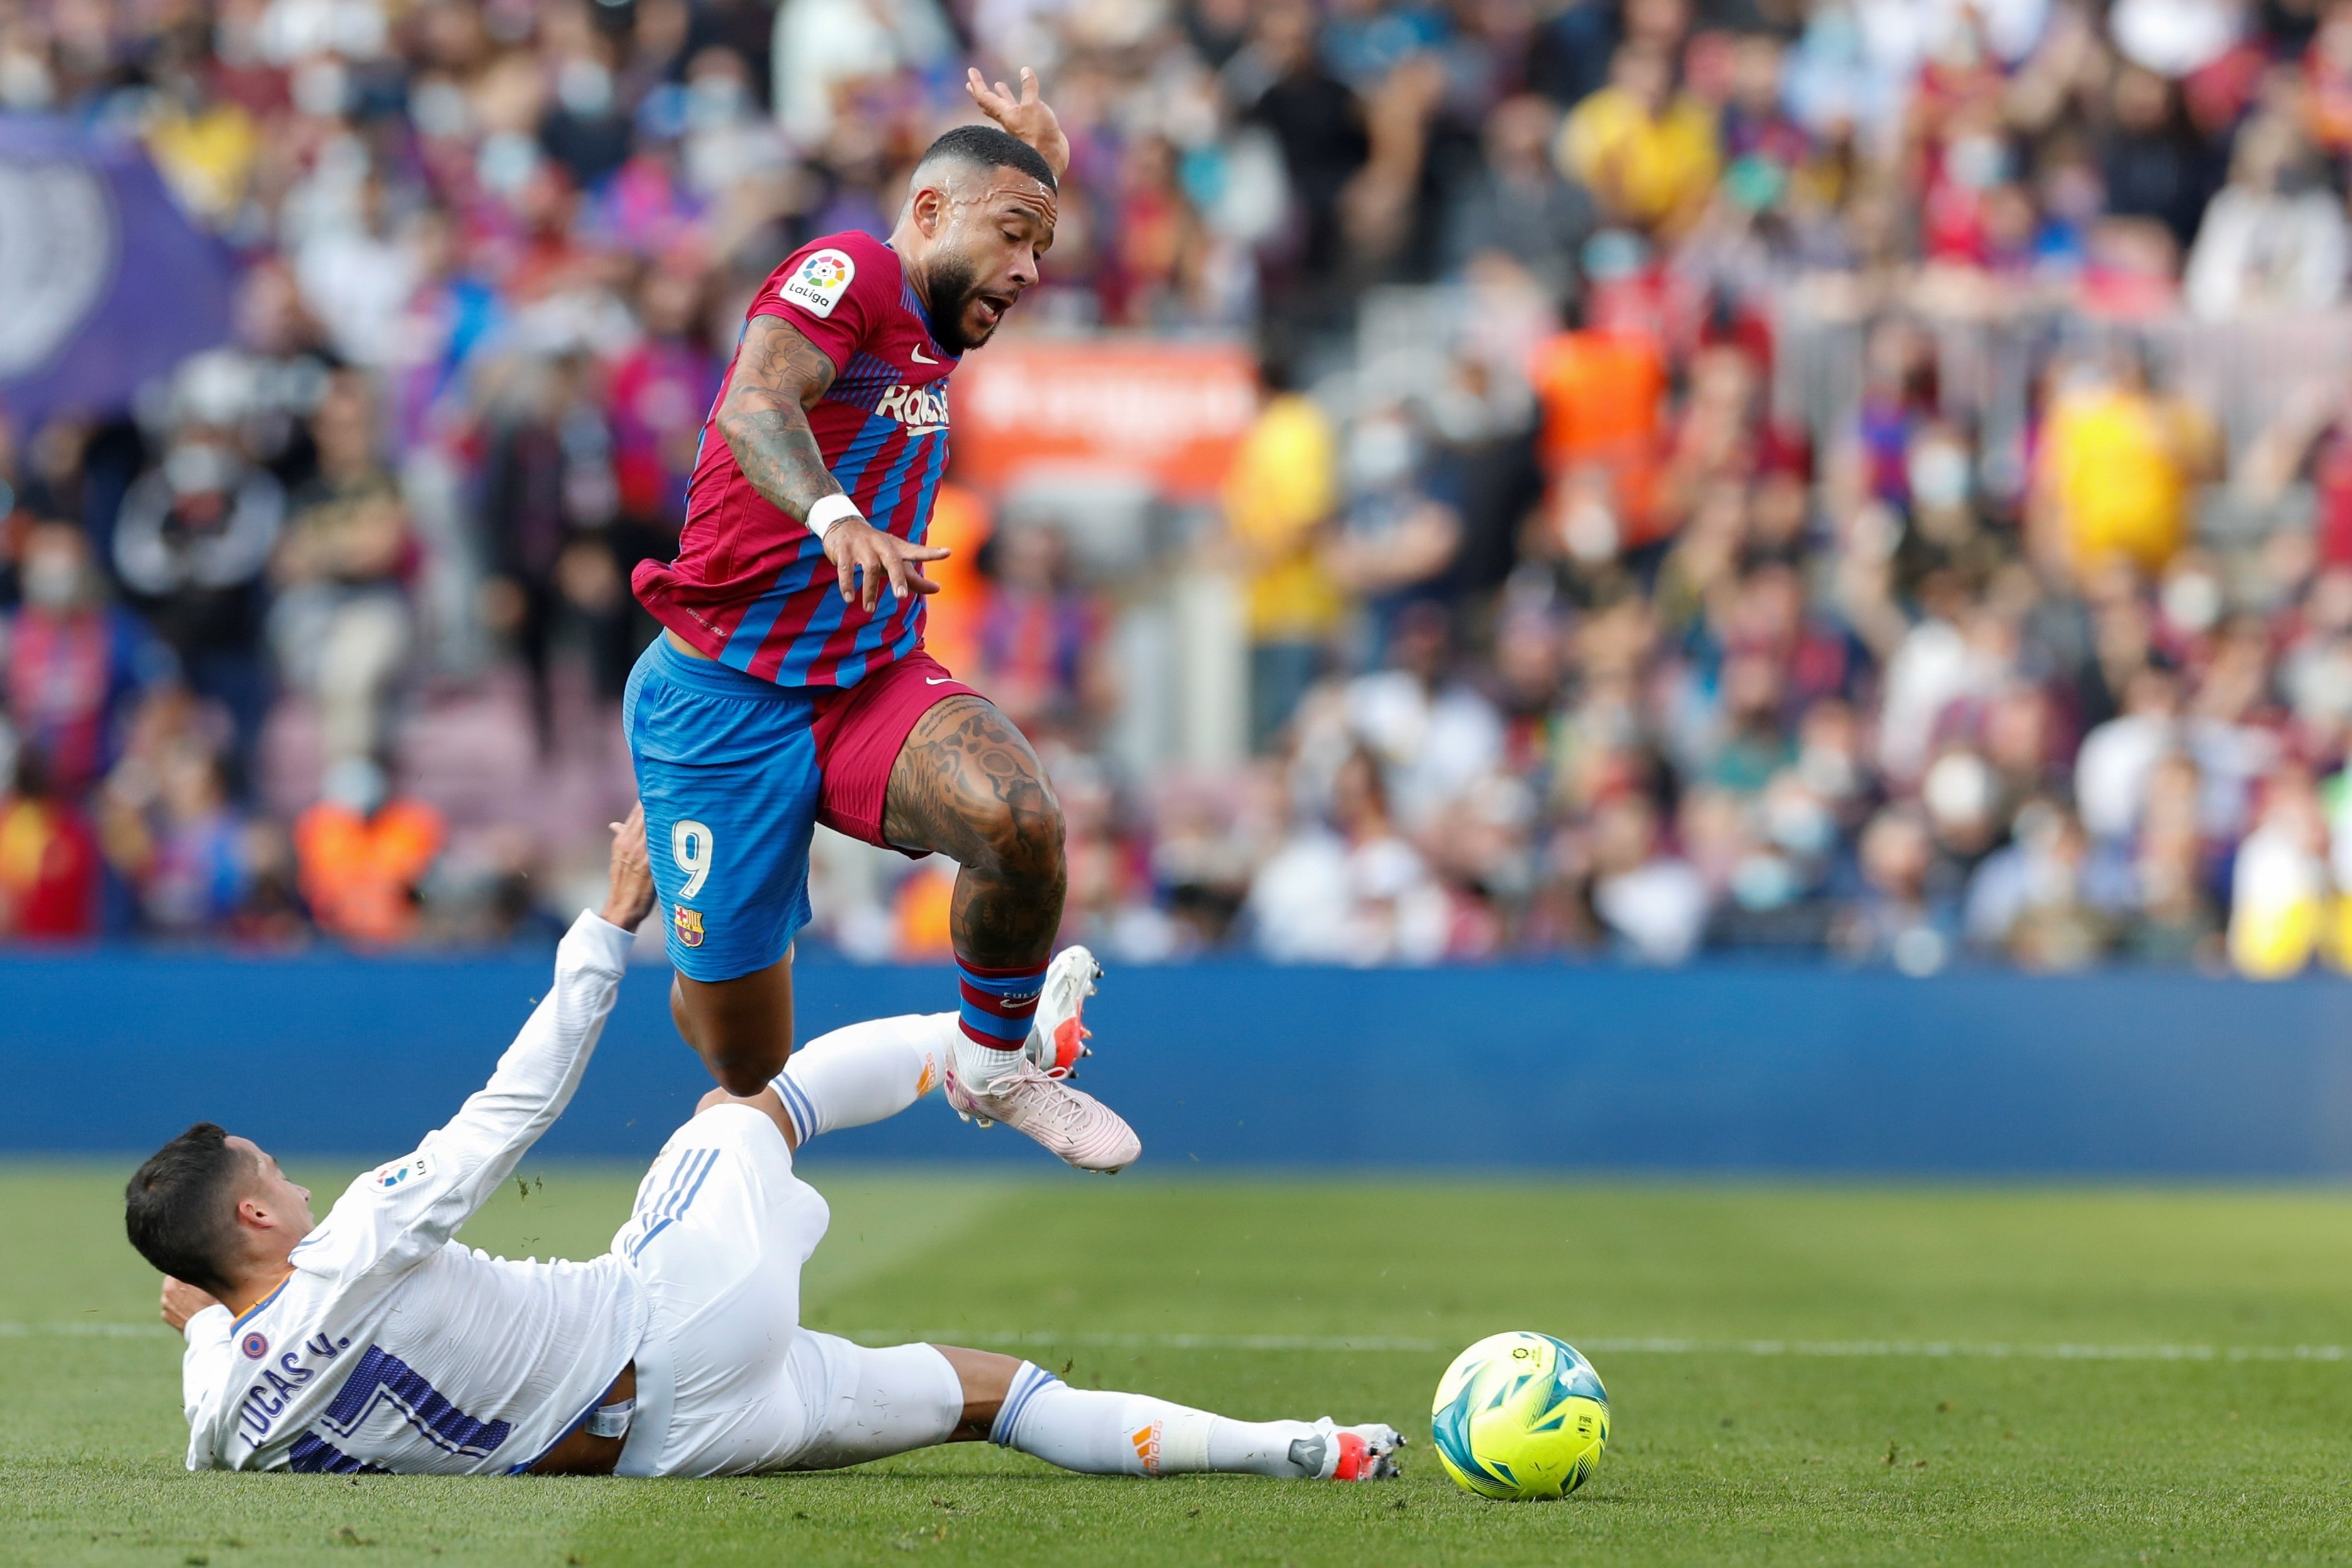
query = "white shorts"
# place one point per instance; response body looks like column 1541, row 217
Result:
column 728, row 1382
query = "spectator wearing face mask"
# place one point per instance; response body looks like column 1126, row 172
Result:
column 70, row 663
column 2155, row 165
column 191, row 547
column 2035, row 899
column 2113, row 768
column 658, row 392
column 1396, row 540
column 341, row 624
column 554, row 509
column 1517, row 203
column 1354, row 892
column 2274, row 239
column 1433, row 734
column 184, row 853
column 825, row 46
column 1314, row 117
column 1602, row 390
column 1900, row 917
column 1945, row 531
column 1041, row 635
column 1652, row 900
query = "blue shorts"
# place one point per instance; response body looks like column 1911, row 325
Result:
column 727, row 768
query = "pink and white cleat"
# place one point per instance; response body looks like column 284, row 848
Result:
column 1029, row 1094
column 1074, row 1124
column 1349, row 1453
column 1058, row 1036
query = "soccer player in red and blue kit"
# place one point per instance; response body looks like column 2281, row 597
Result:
column 790, row 685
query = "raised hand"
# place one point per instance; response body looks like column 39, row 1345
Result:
column 631, row 897
column 182, row 1302
column 1029, row 117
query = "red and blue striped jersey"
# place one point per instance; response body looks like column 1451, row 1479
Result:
column 750, row 586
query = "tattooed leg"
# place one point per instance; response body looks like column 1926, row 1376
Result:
column 967, row 785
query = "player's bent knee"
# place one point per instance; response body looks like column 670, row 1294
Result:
column 1023, row 841
column 742, row 1077
column 741, row 1027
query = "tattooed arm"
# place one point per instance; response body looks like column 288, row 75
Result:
column 779, row 373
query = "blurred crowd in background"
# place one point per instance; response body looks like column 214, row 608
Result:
column 1869, row 477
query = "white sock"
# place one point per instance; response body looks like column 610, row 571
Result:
column 1099, row 1432
column 864, row 1072
column 982, row 1067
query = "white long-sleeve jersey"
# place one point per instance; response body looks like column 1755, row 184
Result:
column 391, row 1346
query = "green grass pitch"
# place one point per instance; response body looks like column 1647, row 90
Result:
column 1797, row 1375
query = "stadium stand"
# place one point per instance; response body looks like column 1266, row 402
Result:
column 1652, row 477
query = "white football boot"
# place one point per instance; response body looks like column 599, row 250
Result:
column 1058, row 1035
column 1339, row 1453
column 1032, row 1098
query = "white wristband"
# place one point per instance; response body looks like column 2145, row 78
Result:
column 830, row 510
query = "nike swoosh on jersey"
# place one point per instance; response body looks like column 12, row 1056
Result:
column 939, row 680
column 919, row 357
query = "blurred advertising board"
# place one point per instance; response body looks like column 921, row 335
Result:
column 1171, row 411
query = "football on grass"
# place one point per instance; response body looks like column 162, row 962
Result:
column 1520, row 1416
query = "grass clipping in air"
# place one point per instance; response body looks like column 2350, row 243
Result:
column 1797, row 1376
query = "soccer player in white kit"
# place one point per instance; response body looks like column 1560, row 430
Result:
column 373, row 1342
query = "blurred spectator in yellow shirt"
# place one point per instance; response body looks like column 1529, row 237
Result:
column 206, row 150
column 2117, row 467
column 1645, row 150
column 1279, row 498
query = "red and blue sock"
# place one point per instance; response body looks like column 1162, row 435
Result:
column 999, row 1004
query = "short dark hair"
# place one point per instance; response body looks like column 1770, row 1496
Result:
column 180, row 1208
column 990, row 147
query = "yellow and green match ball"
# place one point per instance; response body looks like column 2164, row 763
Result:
column 1520, row 1416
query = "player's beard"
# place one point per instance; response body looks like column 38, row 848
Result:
column 952, row 283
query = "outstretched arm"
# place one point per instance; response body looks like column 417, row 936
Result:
column 406, row 1211
column 778, row 374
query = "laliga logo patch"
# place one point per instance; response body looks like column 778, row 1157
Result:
column 689, row 926
column 391, row 1177
column 818, row 283
column 255, row 1347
